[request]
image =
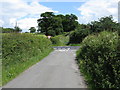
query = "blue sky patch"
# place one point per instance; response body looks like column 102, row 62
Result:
column 64, row 7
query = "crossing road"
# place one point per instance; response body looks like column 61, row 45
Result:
column 66, row 47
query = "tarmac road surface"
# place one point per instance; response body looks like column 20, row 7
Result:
column 58, row 70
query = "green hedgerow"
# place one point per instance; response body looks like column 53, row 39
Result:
column 20, row 51
column 99, row 58
column 60, row 40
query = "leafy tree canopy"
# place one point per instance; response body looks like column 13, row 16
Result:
column 32, row 30
column 49, row 22
column 17, row 29
column 104, row 24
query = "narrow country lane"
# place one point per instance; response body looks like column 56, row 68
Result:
column 58, row 70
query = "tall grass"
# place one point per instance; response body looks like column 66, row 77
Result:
column 20, row 51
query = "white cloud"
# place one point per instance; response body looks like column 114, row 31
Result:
column 27, row 23
column 1, row 23
column 93, row 9
column 62, row 0
column 26, row 14
column 56, row 0
column 19, row 10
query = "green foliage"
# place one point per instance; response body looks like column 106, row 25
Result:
column 78, row 35
column 60, row 40
column 74, row 44
column 57, row 24
column 69, row 22
column 47, row 14
column 7, row 30
column 99, row 59
column 50, row 24
column 32, row 30
column 17, row 29
column 104, row 24
column 66, row 33
column 11, row 30
column 0, row 59
column 20, row 51
column 51, row 33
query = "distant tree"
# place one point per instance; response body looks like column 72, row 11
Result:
column 47, row 14
column 32, row 30
column 44, row 22
column 26, row 32
column 7, row 30
column 79, row 34
column 17, row 29
column 57, row 23
column 104, row 23
column 69, row 22
column 49, row 24
column 51, row 33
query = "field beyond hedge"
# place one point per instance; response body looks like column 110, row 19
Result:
column 20, row 51
column 99, row 60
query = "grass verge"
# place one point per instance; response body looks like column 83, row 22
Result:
column 74, row 45
column 87, row 77
column 15, row 69
column 20, row 51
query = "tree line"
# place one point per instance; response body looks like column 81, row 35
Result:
column 16, row 29
column 103, row 24
column 52, row 25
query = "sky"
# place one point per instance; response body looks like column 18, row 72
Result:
column 26, row 12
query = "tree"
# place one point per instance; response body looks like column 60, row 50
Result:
column 117, row 27
column 32, row 30
column 47, row 14
column 104, row 23
column 79, row 34
column 51, row 33
column 49, row 23
column 7, row 30
column 58, row 23
column 17, row 29
column 69, row 23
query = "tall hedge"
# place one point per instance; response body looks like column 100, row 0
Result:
column 60, row 40
column 99, row 59
column 78, row 35
column 20, row 51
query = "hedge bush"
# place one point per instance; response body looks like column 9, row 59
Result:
column 99, row 60
column 78, row 35
column 20, row 51
column 60, row 40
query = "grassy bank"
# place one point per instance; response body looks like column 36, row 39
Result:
column 74, row 45
column 20, row 51
column 99, row 60
column 60, row 40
